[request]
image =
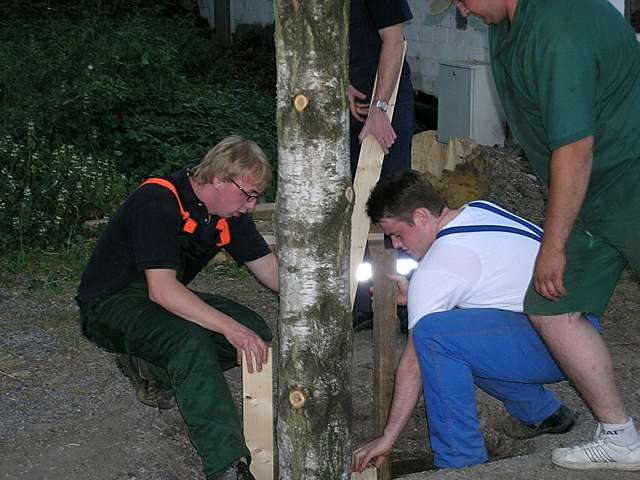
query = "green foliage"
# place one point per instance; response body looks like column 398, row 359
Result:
column 127, row 92
column 45, row 194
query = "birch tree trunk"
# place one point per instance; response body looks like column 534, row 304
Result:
column 313, row 229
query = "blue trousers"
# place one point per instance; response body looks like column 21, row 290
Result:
column 497, row 350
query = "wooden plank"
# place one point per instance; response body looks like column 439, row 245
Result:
column 257, row 416
column 368, row 474
column 367, row 174
column 384, row 331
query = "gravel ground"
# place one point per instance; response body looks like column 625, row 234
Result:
column 67, row 413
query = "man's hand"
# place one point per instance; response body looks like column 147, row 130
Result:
column 548, row 273
column 246, row 340
column 376, row 452
column 403, row 287
column 570, row 173
column 358, row 109
column 379, row 125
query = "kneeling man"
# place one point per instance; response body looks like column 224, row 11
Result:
column 466, row 323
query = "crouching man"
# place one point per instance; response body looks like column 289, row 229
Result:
column 466, row 323
column 134, row 299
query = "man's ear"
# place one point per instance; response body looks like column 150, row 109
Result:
column 217, row 183
column 421, row 216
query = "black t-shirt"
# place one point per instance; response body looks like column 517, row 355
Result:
column 146, row 233
column 366, row 18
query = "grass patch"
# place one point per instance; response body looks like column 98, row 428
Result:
column 44, row 273
column 231, row 271
column 49, row 274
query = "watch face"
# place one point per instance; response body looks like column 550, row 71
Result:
column 382, row 105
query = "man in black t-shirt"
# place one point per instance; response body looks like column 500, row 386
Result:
column 134, row 299
column 376, row 40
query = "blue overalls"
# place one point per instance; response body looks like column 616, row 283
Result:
column 497, row 350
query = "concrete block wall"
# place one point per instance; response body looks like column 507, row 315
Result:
column 432, row 39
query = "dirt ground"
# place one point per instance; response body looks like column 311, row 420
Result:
column 66, row 412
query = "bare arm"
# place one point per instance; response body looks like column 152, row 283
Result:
column 169, row 293
column 265, row 270
column 570, row 170
column 389, row 67
column 406, row 393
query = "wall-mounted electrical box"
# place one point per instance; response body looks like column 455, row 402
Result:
column 467, row 104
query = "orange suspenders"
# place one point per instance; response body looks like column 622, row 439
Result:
column 190, row 224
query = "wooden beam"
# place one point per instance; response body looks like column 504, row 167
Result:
column 257, row 416
column 384, row 331
column 367, row 175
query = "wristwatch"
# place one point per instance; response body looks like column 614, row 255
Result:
column 382, row 105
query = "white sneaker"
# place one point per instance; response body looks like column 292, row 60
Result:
column 600, row 453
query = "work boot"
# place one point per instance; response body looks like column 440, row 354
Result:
column 561, row 421
column 238, row 470
column 148, row 391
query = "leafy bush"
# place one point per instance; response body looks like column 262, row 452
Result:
column 45, row 194
column 133, row 93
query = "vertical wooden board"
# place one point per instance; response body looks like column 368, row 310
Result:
column 368, row 474
column 384, row 334
column 257, row 416
column 367, row 175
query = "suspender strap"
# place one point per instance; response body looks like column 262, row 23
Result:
column 487, row 228
column 189, row 225
column 532, row 231
column 225, row 233
column 485, row 206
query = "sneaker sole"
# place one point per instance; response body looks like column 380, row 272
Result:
column 596, row 466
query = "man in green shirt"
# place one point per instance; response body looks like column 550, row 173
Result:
column 568, row 75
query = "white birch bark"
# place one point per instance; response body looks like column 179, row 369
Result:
column 312, row 228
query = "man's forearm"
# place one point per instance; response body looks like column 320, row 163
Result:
column 265, row 269
column 570, row 171
column 170, row 294
column 406, row 392
column 389, row 62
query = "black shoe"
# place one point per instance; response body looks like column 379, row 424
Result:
column 238, row 470
column 561, row 421
column 148, row 391
column 362, row 321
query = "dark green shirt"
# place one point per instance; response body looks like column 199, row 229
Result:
column 566, row 70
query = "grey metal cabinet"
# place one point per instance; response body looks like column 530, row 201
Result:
column 467, row 104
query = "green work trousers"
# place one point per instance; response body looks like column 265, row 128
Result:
column 192, row 357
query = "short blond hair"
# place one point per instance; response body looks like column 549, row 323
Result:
column 234, row 157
